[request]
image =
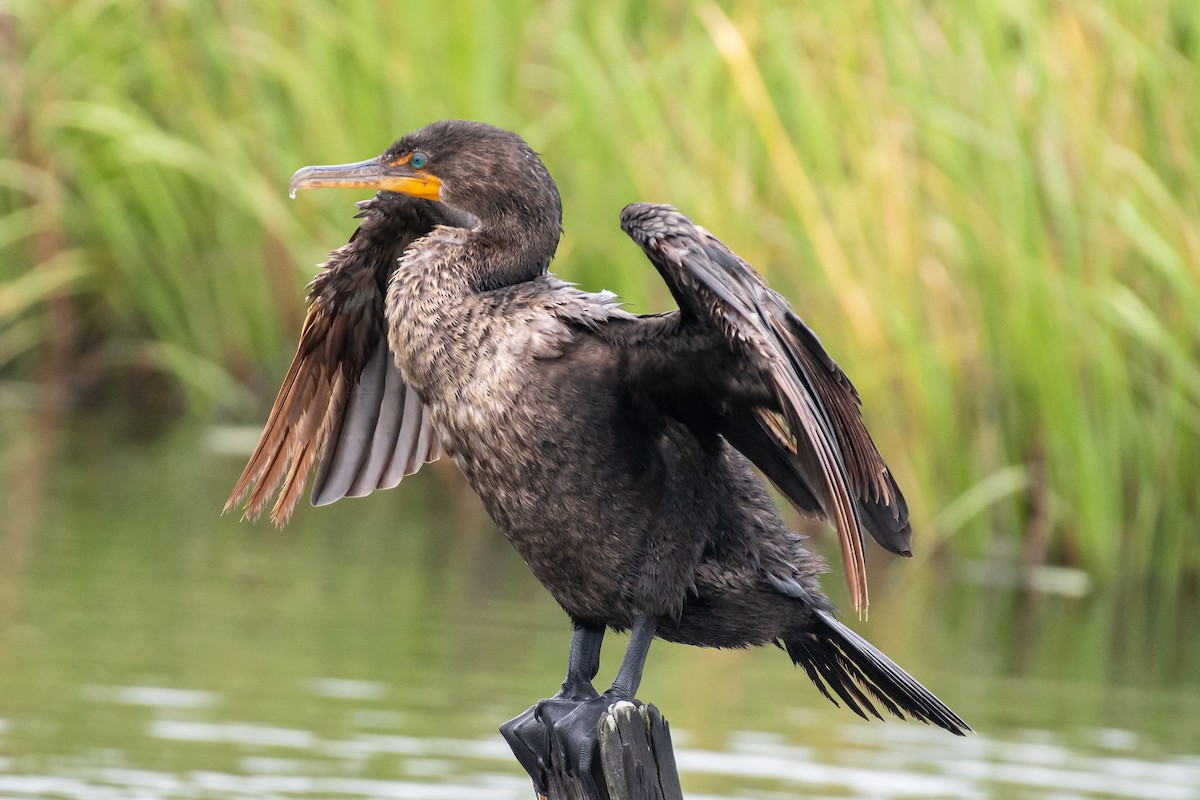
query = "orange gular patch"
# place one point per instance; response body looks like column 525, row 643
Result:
column 418, row 183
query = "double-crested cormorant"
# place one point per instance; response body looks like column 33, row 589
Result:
column 614, row 450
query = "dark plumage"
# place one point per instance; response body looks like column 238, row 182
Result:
column 613, row 450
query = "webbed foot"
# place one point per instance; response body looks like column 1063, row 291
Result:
column 559, row 737
column 528, row 734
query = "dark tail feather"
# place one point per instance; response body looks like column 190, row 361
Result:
column 838, row 659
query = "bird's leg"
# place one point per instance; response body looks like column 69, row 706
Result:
column 583, row 662
column 577, row 734
column 629, row 676
column 528, row 734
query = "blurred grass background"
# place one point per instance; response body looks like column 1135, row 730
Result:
column 987, row 210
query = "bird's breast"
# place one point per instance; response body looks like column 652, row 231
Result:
column 473, row 357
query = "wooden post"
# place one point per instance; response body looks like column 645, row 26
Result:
column 636, row 760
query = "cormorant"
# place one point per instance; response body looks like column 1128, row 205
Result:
column 614, row 450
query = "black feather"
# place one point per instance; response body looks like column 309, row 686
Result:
column 838, row 658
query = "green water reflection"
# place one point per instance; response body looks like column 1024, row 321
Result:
column 150, row 648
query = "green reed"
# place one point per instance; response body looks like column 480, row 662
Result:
column 988, row 210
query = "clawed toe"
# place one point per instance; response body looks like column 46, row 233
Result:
column 529, row 739
column 577, row 739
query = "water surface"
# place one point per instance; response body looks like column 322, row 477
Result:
column 152, row 649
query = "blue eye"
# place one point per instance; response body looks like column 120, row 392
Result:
column 418, row 160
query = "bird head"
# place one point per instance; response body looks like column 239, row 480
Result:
column 486, row 171
column 490, row 180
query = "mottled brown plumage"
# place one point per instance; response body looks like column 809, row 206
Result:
column 613, row 450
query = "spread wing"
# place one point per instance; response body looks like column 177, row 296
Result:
column 344, row 407
column 798, row 415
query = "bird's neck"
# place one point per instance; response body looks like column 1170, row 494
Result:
column 512, row 249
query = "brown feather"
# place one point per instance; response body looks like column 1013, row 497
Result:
column 309, row 403
column 343, row 327
column 864, row 465
column 837, row 500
